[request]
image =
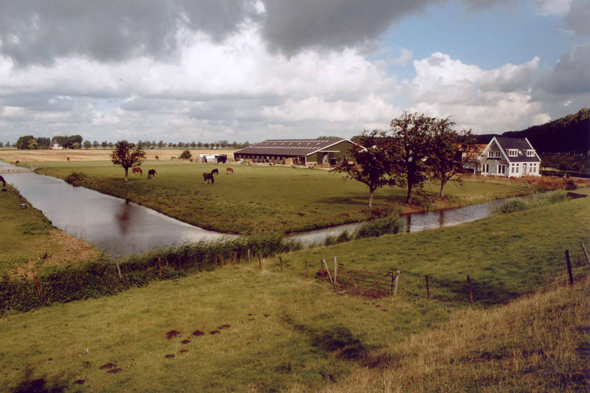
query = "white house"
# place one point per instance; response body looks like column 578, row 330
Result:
column 509, row 157
column 55, row 145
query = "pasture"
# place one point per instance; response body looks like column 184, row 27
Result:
column 28, row 241
column 270, row 330
column 256, row 199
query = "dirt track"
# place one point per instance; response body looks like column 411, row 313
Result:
column 10, row 155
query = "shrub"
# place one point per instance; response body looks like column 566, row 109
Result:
column 186, row 155
column 382, row 226
column 76, row 178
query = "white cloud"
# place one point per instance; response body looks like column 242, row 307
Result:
column 552, row 7
column 487, row 101
column 405, row 57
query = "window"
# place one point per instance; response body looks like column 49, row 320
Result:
column 530, row 153
column 498, row 154
column 490, row 154
column 501, row 169
column 512, row 153
column 485, row 168
column 517, row 168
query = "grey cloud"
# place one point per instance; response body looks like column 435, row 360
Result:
column 477, row 5
column 578, row 18
column 38, row 32
column 292, row 26
column 571, row 74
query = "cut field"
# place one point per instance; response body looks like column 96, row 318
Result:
column 268, row 331
column 83, row 155
column 28, row 242
column 258, row 199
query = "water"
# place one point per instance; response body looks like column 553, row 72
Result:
column 111, row 224
column 124, row 228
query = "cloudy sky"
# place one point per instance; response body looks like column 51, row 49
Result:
column 249, row 70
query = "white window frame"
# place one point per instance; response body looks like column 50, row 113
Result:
column 501, row 169
column 490, row 154
column 485, row 168
column 498, row 154
column 512, row 153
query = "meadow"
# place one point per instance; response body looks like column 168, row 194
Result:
column 269, row 330
column 258, row 199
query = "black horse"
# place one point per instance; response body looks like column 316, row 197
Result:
column 152, row 173
column 209, row 176
column 3, row 181
column 215, row 172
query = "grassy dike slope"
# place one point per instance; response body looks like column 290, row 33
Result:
column 289, row 332
column 28, row 241
column 258, row 198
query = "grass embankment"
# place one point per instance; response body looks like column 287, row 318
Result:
column 256, row 199
column 28, row 241
column 280, row 331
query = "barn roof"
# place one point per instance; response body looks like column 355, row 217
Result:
column 290, row 147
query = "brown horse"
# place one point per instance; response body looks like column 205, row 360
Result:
column 137, row 170
column 228, row 171
column 152, row 173
column 157, row 158
column 208, row 176
column 3, row 182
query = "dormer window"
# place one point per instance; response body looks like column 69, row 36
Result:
column 530, row 153
column 490, row 154
column 512, row 153
column 498, row 154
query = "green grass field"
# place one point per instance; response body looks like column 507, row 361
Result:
column 257, row 199
column 29, row 242
column 286, row 331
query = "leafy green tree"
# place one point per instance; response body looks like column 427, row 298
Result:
column 186, row 155
column 451, row 152
column 372, row 165
column 127, row 155
column 412, row 136
column 1, row 144
column 193, row 144
column 26, row 142
column 87, row 144
column 199, row 144
column 110, row 144
column 43, row 143
column 161, row 144
column 7, row 144
column 104, row 144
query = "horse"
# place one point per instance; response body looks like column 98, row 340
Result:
column 152, row 173
column 68, row 158
column 208, row 176
column 137, row 170
column 215, row 172
column 228, row 171
column 3, row 182
column 157, row 158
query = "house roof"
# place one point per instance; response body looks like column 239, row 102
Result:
column 520, row 144
column 290, row 147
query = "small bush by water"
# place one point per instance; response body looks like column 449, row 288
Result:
column 538, row 200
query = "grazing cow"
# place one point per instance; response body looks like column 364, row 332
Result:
column 208, row 176
column 152, row 173
column 137, row 170
column 228, row 171
column 157, row 158
column 3, row 181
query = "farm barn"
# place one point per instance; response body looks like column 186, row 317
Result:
column 325, row 151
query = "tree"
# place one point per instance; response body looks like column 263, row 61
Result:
column 104, row 144
column 412, row 136
column 127, row 155
column 193, row 144
column 161, row 144
column 7, row 144
column 26, row 142
column 87, row 144
column 372, row 166
column 186, row 155
column 451, row 152
column 43, row 143
column 1, row 144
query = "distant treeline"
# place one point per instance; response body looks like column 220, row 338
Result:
column 568, row 135
column 29, row 142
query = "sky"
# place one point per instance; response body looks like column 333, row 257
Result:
column 250, row 70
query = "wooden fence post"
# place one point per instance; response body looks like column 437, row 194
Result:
column 118, row 268
column 328, row 270
column 281, row 259
column 396, row 281
column 585, row 253
column 306, row 272
column 248, row 256
column 259, row 260
column 159, row 267
column 427, row 288
column 569, row 266
column 37, row 285
column 469, row 285
column 335, row 272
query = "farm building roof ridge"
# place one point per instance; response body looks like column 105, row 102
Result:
column 290, row 147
